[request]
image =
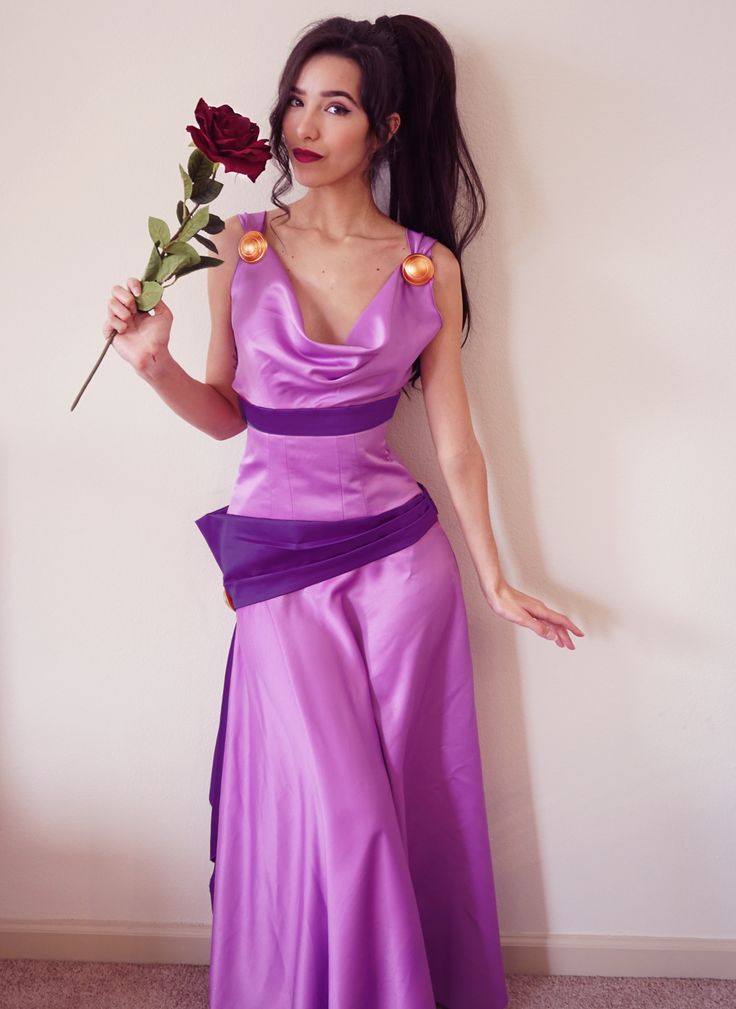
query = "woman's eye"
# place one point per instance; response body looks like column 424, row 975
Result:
column 334, row 105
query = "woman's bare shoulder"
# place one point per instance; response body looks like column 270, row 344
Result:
column 446, row 263
column 446, row 284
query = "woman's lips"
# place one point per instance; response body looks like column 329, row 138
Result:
column 304, row 156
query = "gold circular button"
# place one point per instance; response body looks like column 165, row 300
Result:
column 417, row 268
column 252, row 246
column 228, row 600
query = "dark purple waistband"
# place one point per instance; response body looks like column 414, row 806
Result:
column 264, row 557
column 308, row 420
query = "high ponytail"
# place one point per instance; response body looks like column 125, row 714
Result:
column 407, row 66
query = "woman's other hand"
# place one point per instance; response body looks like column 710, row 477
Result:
column 527, row 611
column 141, row 338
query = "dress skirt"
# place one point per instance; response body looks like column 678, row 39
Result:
column 353, row 867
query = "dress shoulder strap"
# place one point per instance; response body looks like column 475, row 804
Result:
column 423, row 243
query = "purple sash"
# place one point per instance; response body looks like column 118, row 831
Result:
column 319, row 420
column 265, row 557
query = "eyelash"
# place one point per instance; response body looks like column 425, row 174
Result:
column 335, row 104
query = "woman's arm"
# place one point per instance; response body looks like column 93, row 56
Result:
column 459, row 454
column 212, row 405
column 461, row 461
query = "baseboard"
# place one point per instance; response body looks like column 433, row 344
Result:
column 116, row 942
column 583, row 955
column 620, row 955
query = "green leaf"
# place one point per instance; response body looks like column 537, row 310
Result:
column 199, row 166
column 169, row 266
column 187, row 183
column 154, row 262
column 206, row 191
column 159, row 230
column 180, row 211
column 214, row 226
column 188, row 254
column 151, row 294
column 198, row 220
column 204, row 263
column 206, row 243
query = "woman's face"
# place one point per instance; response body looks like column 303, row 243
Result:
column 324, row 115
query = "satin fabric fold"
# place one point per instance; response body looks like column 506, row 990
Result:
column 216, row 769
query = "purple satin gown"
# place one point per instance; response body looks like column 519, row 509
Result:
column 349, row 830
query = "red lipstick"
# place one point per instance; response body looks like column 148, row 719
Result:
column 302, row 154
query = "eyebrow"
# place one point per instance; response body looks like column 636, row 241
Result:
column 327, row 94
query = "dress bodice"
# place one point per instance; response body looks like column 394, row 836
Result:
column 280, row 367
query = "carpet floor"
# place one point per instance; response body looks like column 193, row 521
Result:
column 71, row 984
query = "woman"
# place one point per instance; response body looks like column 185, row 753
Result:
column 353, row 866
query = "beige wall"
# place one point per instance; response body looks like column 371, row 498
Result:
column 600, row 372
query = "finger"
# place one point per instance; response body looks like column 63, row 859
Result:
column 545, row 630
column 565, row 637
column 117, row 309
column 552, row 633
column 542, row 628
column 523, row 616
column 561, row 636
column 563, row 621
column 134, row 285
column 124, row 297
column 565, row 625
column 539, row 609
column 113, row 323
column 558, row 639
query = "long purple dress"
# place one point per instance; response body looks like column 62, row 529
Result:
column 349, row 830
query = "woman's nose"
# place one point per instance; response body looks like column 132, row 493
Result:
column 306, row 127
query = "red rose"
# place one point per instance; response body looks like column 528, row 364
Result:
column 229, row 138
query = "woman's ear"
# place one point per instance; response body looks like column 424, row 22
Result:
column 393, row 122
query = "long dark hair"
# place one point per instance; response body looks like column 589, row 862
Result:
column 407, row 66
